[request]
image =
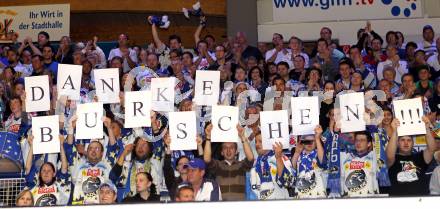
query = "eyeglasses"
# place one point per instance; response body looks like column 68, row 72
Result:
column 306, row 142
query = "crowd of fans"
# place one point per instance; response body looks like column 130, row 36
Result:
column 128, row 166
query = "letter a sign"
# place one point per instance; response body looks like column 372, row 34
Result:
column 69, row 81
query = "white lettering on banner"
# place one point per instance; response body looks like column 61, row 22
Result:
column 297, row 11
column 69, row 81
column 224, row 122
column 352, row 109
column 207, row 87
column 89, row 123
column 28, row 21
column 409, row 112
column 182, row 127
column 37, row 93
column 107, row 85
column 137, row 109
column 274, row 128
column 45, row 130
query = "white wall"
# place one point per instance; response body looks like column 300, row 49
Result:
column 346, row 31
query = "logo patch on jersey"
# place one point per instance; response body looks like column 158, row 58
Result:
column 355, row 165
column 44, row 190
column 91, row 185
column 93, row 172
column 46, row 200
column 356, row 180
column 306, row 182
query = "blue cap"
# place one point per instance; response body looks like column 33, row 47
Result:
column 426, row 27
column 196, row 163
column 110, row 185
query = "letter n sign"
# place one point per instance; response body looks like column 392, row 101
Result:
column 352, row 111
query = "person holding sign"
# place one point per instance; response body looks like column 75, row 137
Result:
column 91, row 170
column 181, row 158
column 308, row 161
column 230, row 173
column 53, row 187
column 272, row 172
column 405, row 167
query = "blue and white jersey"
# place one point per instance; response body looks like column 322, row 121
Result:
column 358, row 177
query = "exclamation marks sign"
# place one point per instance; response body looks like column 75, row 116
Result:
column 403, row 118
column 418, row 115
column 410, row 116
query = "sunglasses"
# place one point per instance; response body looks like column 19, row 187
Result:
column 306, row 142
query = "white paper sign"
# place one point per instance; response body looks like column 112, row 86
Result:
column 107, row 85
column 37, row 93
column 224, row 124
column 46, row 131
column 89, row 124
column 182, row 126
column 352, row 112
column 69, row 81
column 137, row 109
column 305, row 115
column 207, row 87
column 409, row 112
column 162, row 91
column 274, row 128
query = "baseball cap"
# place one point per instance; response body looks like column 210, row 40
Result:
column 110, row 185
column 196, row 163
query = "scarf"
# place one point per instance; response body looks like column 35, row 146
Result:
column 262, row 167
column 380, row 140
column 305, row 161
column 332, row 147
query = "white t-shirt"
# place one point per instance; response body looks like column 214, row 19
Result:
column 204, row 64
column 117, row 52
column 290, row 61
column 433, row 62
column 402, row 69
column 280, row 56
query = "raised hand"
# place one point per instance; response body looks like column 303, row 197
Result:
column 128, row 149
column 318, row 130
column 208, row 130
column 107, row 121
column 395, row 123
column 241, row 132
column 278, row 149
